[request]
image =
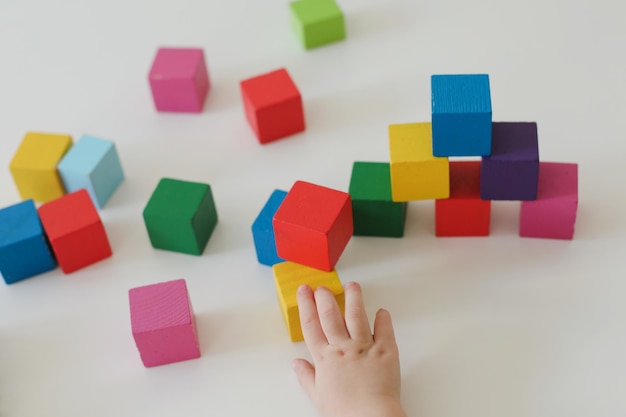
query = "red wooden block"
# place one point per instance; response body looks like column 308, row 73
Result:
column 464, row 213
column 313, row 225
column 273, row 105
column 75, row 231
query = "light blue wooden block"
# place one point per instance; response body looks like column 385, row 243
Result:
column 461, row 115
column 263, row 230
column 92, row 163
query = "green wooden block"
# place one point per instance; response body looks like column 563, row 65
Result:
column 317, row 22
column 180, row 216
column 373, row 211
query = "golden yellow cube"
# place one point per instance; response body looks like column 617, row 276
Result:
column 288, row 276
column 34, row 166
column 415, row 173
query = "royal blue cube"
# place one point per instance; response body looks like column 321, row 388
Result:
column 461, row 115
column 24, row 251
column 263, row 231
column 93, row 164
column 511, row 172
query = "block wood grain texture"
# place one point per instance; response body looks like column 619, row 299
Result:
column 34, row 166
column 461, row 115
column 24, row 251
column 415, row 173
column 288, row 276
column 464, row 213
column 263, row 230
column 313, row 225
column 179, row 80
column 553, row 214
column 163, row 323
column 75, row 231
column 511, row 172
column 373, row 211
column 317, row 23
column 273, row 105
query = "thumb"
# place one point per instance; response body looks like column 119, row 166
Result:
column 306, row 376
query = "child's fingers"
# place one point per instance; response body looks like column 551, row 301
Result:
column 356, row 318
column 383, row 328
column 330, row 316
column 306, row 376
column 309, row 320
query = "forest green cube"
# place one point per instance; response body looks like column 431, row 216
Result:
column 317, row 22
column 373, row 211
column 180, row 216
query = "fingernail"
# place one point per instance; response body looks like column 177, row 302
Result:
column 303, row 289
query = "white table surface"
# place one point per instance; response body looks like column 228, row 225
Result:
column 497, row 326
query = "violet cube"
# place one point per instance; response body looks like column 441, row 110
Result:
column 511, row 172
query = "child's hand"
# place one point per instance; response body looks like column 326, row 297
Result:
column 355, row 373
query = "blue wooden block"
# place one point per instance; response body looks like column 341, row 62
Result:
column 461, row 115
column 263, row 231
column 24, row 251
column 93, row 164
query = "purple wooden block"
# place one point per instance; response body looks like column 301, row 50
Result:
column 512, row 170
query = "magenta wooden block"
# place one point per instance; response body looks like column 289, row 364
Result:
column 553, row 214
column 163, row 323
column 179, row 80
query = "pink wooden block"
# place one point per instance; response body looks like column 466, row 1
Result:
column 179, row 80
column 163, row 323
column 553, row 214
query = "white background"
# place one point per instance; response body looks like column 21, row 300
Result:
column 497, row 326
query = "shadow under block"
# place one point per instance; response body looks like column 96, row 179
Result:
column 317, row 23
column 179, row 80
column 34, row 166
column 75, row 231
column 511, row 172
column 180, row 216
column 415, row 173
column 288, row 276
column 464, row 213
column 163, row 323
column 553, row 214
column 461, row 115
column 24, row 251
column 273, row 105
column 313, row 225
column 92, row 164
column 263, row 230
column 373, row 211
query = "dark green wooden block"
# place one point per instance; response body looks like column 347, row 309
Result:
column 373, row 211
column 180, row 216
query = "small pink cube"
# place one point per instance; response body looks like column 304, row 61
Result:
column 179, row 80
column 553, row 214
column 163, row 323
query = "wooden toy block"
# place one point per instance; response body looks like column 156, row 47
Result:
column 317, row 23
column 163, row 323
column 24, row 251
column 464, row 213
column 273, row 105
column 313, row 225
column 263, row 231
column 288, row 276
column 180, row 216
column 415, row 173
column 512, row 170
column 92, row 164
column 75, row 231
column 461, row 115
column 179, row 80
column 373, row 211
column 34, row 166
column 553, row 214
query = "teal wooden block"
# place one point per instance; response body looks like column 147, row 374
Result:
column 317, row 22
column 93, row 164
column 373, row 211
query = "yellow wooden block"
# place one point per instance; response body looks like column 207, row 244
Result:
column 34, row 166
column 288, row 276
column 415, row 173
